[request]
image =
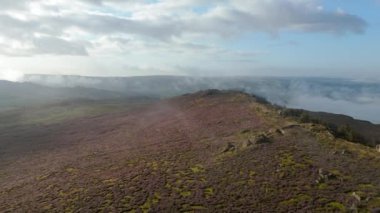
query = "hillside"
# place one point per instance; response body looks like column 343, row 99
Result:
column 369, row 131
column 211, row 151
column 15, row 95
column 344, row 126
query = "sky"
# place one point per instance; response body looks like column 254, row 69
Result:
column 329, row 38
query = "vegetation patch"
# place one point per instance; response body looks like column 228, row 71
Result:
column 71, row 170
column 287, row 162
column 110, row 182
column 185, row 193
column 336, row 206
column 296, row 200
column 197, row 169
column 145, row 208
column 209, row 191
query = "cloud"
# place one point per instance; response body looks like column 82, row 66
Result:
column 11, row 75
column 74, row 28
column 52, row 45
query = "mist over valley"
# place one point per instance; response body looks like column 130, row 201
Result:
column 359, row 99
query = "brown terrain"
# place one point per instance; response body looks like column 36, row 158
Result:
column 211, row 151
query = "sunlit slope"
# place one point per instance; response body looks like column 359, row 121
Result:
column 208, row 151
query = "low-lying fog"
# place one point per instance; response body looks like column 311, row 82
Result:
column 359, row 99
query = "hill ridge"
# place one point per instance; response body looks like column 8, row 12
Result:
column 208, row 151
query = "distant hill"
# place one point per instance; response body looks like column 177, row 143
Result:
column 67, row 88
column 27, row 94
column 210, row 151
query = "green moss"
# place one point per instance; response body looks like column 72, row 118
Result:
column 240, row 182
column 168, row 186
column 197, row 169
column 336, row 206
column 251, row 182
column 47, row 207
column 146, row 206
column 366, row 186
column 156, row 198
column 336, row 172
column 126, row 202
column 178, row 182
column 185, row 193
column 176, row 189
column 287, row 161
column 71, row 170
column 252, row 174
column 203, row 180
column 110, row 182
column 322, row 186
column 323, row 200
column 42, row 177
column 374, row 202
column 294, row 201
column 209, row 192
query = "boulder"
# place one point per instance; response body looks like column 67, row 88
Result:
column 248, row 143
column 280, row 131
column 262, row 138
column 229, row 148
column 356, row 196
column 324, row 176
column 291, row 126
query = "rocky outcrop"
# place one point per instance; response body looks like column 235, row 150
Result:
column 324, row 176
column 262, row 138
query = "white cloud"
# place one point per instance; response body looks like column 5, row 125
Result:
column 165, row 21
column 129, row 37
column 11, row 75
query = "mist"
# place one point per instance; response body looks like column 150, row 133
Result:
column 11, row 75
column 359, row 99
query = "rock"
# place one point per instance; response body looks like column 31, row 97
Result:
column 229, row 148
column 245, row 131
column 378, row 147
column 377, row 210
column 276, row 132
column 356, row 196
column 291, row 126
column 345, row 152
column 353, row 208
column 324, row 176
column 262, row 138
column 248, row 143
column 280, row 131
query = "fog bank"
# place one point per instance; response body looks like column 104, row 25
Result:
column 342, row 96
